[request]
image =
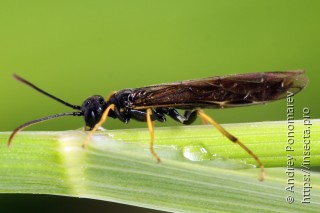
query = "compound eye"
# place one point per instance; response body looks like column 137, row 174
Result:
column 99, row 99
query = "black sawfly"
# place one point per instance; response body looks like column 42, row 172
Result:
column 154, row 103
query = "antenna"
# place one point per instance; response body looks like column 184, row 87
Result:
column 29, row 123
column 45, row 93
column 19, row 128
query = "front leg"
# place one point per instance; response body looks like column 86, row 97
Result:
column 121, row 116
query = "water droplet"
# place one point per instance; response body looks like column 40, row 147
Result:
column 197, row 152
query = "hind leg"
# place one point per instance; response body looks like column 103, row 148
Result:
column 233, row 139
column 189, row 116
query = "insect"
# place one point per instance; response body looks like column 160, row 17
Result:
column 154, row 103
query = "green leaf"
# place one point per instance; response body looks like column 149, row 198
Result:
column 200, row 171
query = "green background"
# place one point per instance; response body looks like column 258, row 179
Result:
column 74, row 49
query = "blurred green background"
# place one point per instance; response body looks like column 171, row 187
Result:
column 74, row 49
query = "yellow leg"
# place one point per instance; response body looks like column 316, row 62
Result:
column 233, row 139
column 151, row 130
column 102, row 120
column 204, row 122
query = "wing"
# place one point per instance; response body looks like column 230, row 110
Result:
column 219, row 92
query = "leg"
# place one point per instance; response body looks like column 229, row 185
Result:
column 233, row 139
column 188, row 118
column 102, row 120
column 121, row 116
column 151, row 130
column 141, row 115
